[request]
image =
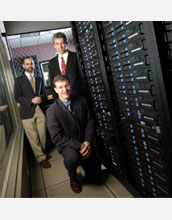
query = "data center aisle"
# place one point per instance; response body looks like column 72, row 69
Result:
column 54, row 183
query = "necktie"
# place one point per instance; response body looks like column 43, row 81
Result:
column 69, row 107
column 63, row 66
column 32, row 83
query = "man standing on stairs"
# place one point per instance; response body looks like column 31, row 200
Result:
column 30, row 93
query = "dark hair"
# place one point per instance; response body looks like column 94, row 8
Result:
column 60, row 35
column 60, row 78
column 27, row 57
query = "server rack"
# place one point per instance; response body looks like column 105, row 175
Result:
column 91, row 59
column 134, row 73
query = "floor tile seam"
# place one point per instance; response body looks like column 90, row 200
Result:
column 57, row 184
column 110, row 190
column 38, row 191
column 116, row 195
column 53, row 159
column 43, row 180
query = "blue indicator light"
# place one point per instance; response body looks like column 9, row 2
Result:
column 138, row 163
column 154, row 194
column 152, row 182
column 149, row 166
column 146, row 154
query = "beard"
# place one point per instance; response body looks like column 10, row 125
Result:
column 29, row 69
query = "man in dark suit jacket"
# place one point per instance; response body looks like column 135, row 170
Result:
column 30, row 93
column 71, row 128
column 71, row 65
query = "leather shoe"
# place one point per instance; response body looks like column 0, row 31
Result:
column 75, row 186
column 45, row 164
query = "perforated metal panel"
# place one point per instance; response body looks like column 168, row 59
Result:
column 127, row 78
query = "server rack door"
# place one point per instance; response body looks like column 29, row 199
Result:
column 94, row 73
column 139, row 91
column 127, row 75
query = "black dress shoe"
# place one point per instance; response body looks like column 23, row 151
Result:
column 45, row 164
column 75, row 186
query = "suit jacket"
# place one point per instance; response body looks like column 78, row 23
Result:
column 72, row 71
column 65, row 129
column 24, row 93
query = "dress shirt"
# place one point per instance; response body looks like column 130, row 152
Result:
column 28, row 76
column 66, row 103
column 65, row 56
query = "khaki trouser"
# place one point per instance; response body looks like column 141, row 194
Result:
column 35, row 129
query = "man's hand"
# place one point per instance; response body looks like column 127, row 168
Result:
column 85, row 149
column 36, row 100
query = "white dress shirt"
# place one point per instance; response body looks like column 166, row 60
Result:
column 28, row 76
column 65, row 56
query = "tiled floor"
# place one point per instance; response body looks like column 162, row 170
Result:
column 54, row 183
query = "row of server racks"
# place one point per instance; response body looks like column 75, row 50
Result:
column 127, row 69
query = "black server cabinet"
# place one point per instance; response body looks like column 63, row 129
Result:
column 139, row 92
column 135, row 68
column 96, row 83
